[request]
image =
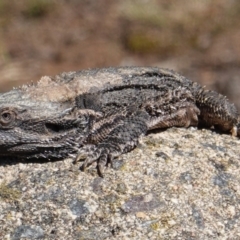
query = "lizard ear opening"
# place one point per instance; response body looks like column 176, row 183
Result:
column 54, row 127
column 66, row 124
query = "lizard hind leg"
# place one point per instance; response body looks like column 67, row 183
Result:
column 184, row 116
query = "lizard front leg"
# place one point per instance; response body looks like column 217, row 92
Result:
column 123, row 138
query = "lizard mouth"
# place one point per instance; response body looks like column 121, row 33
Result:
column 39, row 151
column 47, row 145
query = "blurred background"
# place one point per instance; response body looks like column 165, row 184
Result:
column 199, row 39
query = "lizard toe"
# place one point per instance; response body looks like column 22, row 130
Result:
column 87, row 162
column 85, row 152
column 103, row 161
column 101, row 155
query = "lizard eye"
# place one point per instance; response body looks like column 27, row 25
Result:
column 6, row 117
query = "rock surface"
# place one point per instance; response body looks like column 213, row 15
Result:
column 177, row 184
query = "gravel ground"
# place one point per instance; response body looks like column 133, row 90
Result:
column 177, row 184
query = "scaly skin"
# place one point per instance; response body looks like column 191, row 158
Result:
column 99, row 114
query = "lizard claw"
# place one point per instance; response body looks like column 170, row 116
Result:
column 100, row 170
column 90, row 154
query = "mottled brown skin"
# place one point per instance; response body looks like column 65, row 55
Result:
column 99, row 114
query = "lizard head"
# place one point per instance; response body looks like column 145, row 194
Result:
column 42, row 130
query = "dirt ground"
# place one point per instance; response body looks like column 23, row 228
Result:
column 200, row 39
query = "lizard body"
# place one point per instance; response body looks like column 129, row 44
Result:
column 100, row 114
